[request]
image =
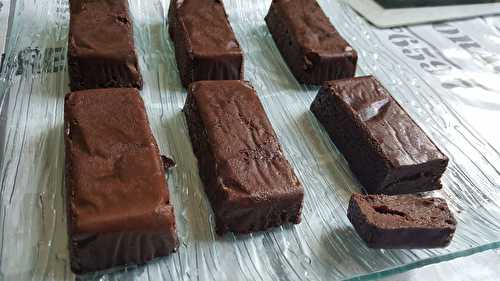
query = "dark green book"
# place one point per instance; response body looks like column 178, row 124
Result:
column 391, row 4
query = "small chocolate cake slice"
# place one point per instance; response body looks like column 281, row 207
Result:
column 117, row 198
column 247, row 179
column 205, row 45
column 401, row 221
column 313, row 49
column 387, row 151
column 101, row 52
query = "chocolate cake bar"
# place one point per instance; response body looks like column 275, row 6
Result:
column 401, row 221
column 310, row 45
column 247, row 179
column 118, row 203
column 387, row 151
column 205, row 45
column 101, row 51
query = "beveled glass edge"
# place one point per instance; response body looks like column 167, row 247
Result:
column 424, row 262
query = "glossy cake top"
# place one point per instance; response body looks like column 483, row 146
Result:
column 101, row 30
column 248, row 158
column 401, row 140
column 312, row 29
column 207, row 28
column 116, row 176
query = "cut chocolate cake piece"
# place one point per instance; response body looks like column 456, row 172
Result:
column 401, row 221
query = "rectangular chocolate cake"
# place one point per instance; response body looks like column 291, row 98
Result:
column 117, row 198
column 205, row 45
column 247, row 179
column 387, row 151
column 310, row 45
column 401, row 221
column 101, row 51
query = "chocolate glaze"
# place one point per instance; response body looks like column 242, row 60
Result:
column 369, row 126
column 248, row 181
column 401, row 221
column 101, row 51
column 310, row 45
column 205, row 45
column 118, row 202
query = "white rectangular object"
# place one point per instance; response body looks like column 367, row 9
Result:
column 384, row 18
column 4, row 23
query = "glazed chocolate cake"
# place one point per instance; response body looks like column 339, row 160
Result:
column 117, row 198
column 313, row 49
column 247, row 179
column 387, row 151
column 101, row 52
column 205, row 45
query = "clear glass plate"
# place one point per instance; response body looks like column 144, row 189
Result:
column 448, row 85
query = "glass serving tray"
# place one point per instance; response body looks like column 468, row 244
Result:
column 444, row 75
